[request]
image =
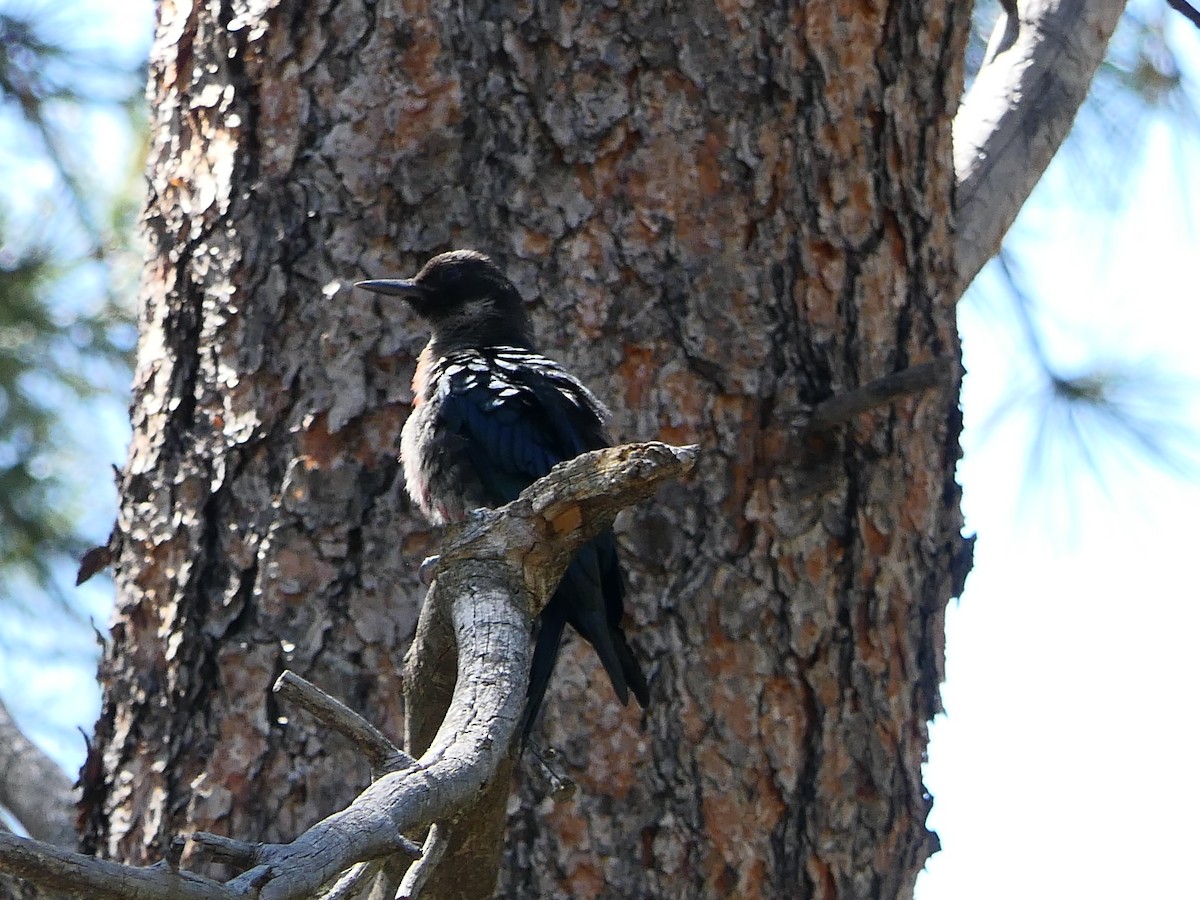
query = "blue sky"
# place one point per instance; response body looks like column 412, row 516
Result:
column 1064, row 763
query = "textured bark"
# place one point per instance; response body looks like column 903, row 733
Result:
column 724, row 216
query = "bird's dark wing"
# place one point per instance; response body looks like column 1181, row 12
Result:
column 516, row 415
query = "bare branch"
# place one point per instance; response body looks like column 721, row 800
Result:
column 843, row 407
column 1018, row 111
column 418, row 873
column 98, row 879
column 33, row 788
column 354, row 881
column 370, row 741
column 495, row 574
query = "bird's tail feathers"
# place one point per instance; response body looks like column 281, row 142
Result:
column 634, row 676
column 581, row 596
column 541, row 667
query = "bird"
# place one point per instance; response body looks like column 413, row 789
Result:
column 490, row 416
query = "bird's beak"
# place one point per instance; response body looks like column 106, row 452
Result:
column 396, row 287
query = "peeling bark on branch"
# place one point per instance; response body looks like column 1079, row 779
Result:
column 497, row 572
column 1036, row 75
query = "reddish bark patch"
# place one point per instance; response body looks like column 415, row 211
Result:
column 568, row 520
column 318, row 447
column 637, row 372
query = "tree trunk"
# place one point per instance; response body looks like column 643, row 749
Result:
column 723, row 216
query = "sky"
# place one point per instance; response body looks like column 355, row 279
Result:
column 1064, row 764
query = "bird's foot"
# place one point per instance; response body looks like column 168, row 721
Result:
column 561, row 786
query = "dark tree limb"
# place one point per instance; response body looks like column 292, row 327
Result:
column 841, row 408
column 496, row 573
column 1185, row 9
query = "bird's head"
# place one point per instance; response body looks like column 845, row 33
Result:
column 465, row 297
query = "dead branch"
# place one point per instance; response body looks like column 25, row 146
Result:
column 496, row 572
column 1039, row 67
column 33, row 788
column 419, row 872
column 841, row 408
column 370, row 741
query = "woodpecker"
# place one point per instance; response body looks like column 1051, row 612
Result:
column 490, row 416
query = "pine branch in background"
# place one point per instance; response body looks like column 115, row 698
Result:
column 1088, row 418
column 67, row 272
column 34, row 527
column 1115, row 409
column 1189, row 12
